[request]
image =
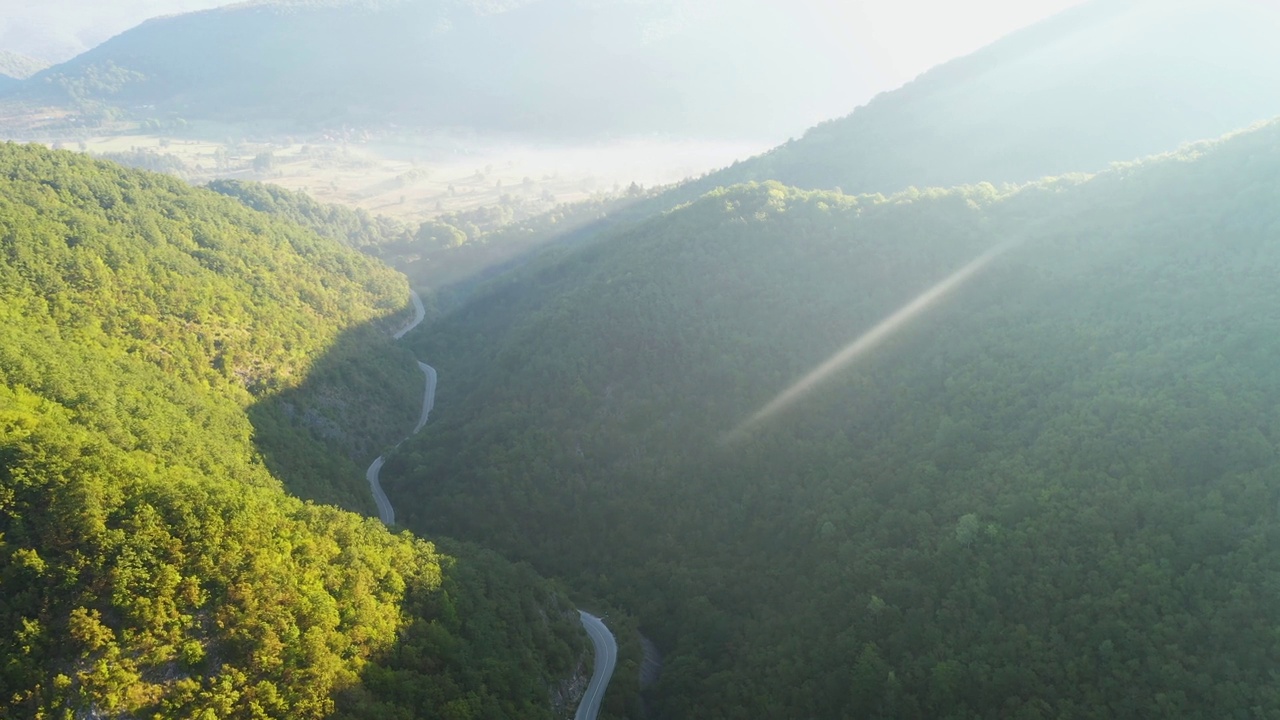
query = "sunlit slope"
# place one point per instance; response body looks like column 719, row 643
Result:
column 1051, row 495
column 18, row 67
column 542, row 67
column 194, row 289
column 1111, row 80
column 151, row 563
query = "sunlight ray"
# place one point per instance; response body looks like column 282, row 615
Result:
column 869, row 340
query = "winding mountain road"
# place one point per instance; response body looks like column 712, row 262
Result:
column 606, row 659
column 605, row 644
column 419, row 312
column 385, row 510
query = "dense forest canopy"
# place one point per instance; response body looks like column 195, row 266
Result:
column 1033, row 476
column 450, row 255
column 352, row 227
column 162, row 368
column 1049, row 496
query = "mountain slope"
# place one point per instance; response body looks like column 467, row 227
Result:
column 355, row 228
column 19, row 67
column 1108, row 81
column 549, row 67
column 1048, row 496
column 151, row 563
column 178, row 278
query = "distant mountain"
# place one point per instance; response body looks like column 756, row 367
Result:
column 1050, row 493
column 1111, row 80
column 167, row 356
column 58, row 31
column 19, row 67
column 547, row 66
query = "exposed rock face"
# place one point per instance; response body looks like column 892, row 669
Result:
column 566, row 695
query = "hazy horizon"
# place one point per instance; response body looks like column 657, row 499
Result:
column 889, row 43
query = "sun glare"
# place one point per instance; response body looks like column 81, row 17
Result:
column 869, row 340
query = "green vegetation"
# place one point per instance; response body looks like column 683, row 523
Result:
column 157, row 339
column 446, row 258
column 1052, row 496
column 196, row 290
column 352, row 227
column 143, row 159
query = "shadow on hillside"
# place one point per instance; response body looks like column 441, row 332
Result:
column 455, row 273
column 485, row 635
column 363, row 395
column 480, row 634
column 360, row 396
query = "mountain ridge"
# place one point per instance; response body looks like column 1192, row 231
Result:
column 1089, row 410
column 19, row 67
column 153, row 563
column 1070, row 94
column 543, row 68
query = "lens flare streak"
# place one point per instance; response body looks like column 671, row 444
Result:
column 870, row 340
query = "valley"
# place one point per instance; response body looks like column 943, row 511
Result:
column 927, row 496
column 606, row 647
column 170, row 364
column 957, row 404
column 415, row 177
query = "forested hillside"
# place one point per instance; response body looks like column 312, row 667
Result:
column 19, row 67
column 1051, row 495
column 541, row 67
column 446, row 257
column 168, row 357
column 1108, row 81
column 352, row 227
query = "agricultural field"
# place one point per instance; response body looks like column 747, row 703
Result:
column 420, row 177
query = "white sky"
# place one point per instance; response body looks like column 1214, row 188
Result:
column 899, row 39
column 872, row 46
column 896, row 39
column 57, row 30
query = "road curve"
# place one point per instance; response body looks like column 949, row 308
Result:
column 385, row 510
column 605, row 644
column 606, row 659
column 419, row 312
column 428, row 397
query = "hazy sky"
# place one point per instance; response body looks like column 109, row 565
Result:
column 903, row 38
column 57, row 30
column 898, row 39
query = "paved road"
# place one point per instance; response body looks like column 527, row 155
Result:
column 419, row 312
column 428, row 397
column 385, row 511
column 606, row 658
column 603, row 640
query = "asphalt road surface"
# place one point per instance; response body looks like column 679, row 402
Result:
column 385, row 511
column 419, row 312
column 603, row 640
column 606, row 659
